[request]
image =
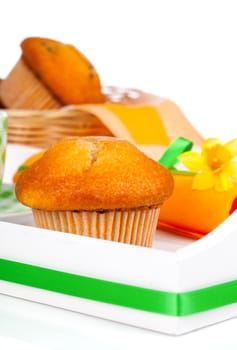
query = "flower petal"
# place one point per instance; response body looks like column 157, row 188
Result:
column 232, row 170
column 223, row 182
column 210, row 143
column 232, row 147
column 204, row 180
column 192, row 160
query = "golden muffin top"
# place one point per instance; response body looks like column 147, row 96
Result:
column 94, row 173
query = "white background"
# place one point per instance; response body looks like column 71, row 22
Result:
column 183, row 50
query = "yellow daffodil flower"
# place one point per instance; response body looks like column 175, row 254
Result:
column 215, row 165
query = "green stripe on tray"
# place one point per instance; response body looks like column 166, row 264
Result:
column 157, row 301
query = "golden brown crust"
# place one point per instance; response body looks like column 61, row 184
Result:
column 93, row 173
column 63, row 69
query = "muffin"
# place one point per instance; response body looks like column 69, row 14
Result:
column 102, row 187
column 50, row 74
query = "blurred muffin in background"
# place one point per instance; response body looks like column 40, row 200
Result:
column 50, row 74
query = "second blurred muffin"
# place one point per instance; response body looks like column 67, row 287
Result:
column 50, row 74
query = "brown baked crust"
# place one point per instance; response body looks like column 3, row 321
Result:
column 63, row 69
column 94, row 173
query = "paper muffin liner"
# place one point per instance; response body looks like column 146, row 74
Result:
column 22, row 89
column 133, row 226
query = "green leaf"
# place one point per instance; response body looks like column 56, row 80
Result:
column 22, row 167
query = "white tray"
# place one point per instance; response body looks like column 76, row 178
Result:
column 174, row 265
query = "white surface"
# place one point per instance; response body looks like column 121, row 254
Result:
column 184, row 50
column 43, row 327
column 26, row 325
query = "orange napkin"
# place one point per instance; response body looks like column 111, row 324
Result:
column 194, row 213
column 150, row 121
column 206, row 193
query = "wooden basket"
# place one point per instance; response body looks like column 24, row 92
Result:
column 45, row 127
column 42, row 128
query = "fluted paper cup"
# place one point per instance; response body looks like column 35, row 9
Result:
column 132, row 226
